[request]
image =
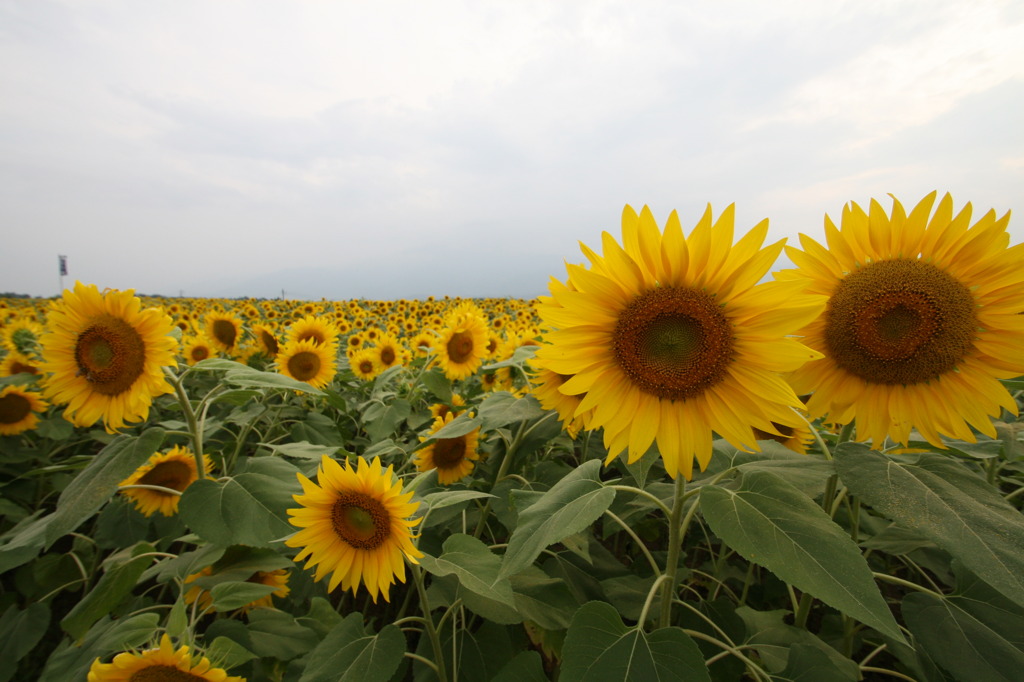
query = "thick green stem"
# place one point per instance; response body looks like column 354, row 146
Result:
column 190, row 418
column 803, row 611
column 428, row 623
column 675, row 545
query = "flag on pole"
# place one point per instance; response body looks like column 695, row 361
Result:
column 63, row 265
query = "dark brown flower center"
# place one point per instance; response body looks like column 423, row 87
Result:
column 304, row 366
column 171, row 474
column 673, row 342
column 460, row 347
column 200, row 353
column 14, row 408
column 360, row 520
column 110, row 355
column 22, row 368
column 387, row 355
column 900, row 321
column 162, row 673
column 225, row 332
column 448, row 453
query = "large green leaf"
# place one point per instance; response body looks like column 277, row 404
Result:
column 20, row 631
column 249, row 509
column 571, row 505
column 770, row 522
column 502, row 408
column 476, row 567
column 115, row 584
column 349, row 653
column 600, row 648
column 98, row 481
column 943, row 501
column 963, row 644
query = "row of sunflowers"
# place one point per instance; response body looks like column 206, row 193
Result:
column 506, row 489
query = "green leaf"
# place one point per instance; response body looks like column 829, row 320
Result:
column 349, row 654
column 771, row 523
column 98, row 482
column 438, row 384
column 251, row 378
column 302, row 450
column 476, row 567
column 387, row 422
column 571, row 505
column 275, row 633
column 25, row 541
column 502, row 408
column 115, row 584
column 943, row 501
column 20, row 631
column 963, row 643
column 249, row 509
column 228, row 653
column 807, row 663
column 459, row 426
column 234, row 595
column 177, row 619
column 447, row 498
column 527, row 666
column 600, row 648
column 543, row 600
column 774, row 642
column 71, row 662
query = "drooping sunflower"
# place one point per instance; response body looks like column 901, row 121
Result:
column 365, row 364
column 354, row 525
column 452, row 457
column 266, row 337
column 308, row 361
column 19, row 408
column 104, row 354
column 670, row 339
column 163, row 663
column 174, row 469
column 463, row 345
column 277, row 579
column 921, row 323
column 223, row 329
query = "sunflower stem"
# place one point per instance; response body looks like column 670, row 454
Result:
column 803, row 611
column 428, row 623
column 675, row 542
column 190, row 419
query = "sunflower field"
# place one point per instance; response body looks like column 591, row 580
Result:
column 500, row 489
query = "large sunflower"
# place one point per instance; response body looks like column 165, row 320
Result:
column 174, row 469
column 463, row 344
column 354, row 525
column 308, row 361
column 18, row 408
column 922, row 320
column 159, row 664
column 670, row 339
column 452, row 457
column 105, row 356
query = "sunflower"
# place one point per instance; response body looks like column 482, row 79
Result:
column 105, row 356
column 463, row 344
column 354, row 525
column 796, row 438
column 197, row 348
column 390, row 351
column 16, row 363
column 18, row 408
column 266, row 338
column 670, row 339
column 174, row 469
column 158, row 664
column 452, row 457
column 321, row 331
column 223, row 329
column 308, row 361
column 455, row 405
column 22, row 335
column 365, row 364
column 545, row 385
column 423, row 343
column 921, row 323
column 277, row 579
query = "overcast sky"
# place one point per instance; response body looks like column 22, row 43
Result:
column 407, row 149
